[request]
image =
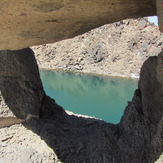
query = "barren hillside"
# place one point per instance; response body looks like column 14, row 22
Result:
column 117, row 49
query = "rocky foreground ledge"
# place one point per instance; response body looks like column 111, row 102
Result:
column 69, row 138
column 56, row 136
column 137, row 138
column 117, row 49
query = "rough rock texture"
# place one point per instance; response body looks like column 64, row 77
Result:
column 27, row 23
column 70, row 138
column 76, row 139
column 159, row 70
column 160, row 13
column 117, row 49
column 151, row 88
column 4, row 109
column 20, row 82
column 22, row 145
column 137, row 138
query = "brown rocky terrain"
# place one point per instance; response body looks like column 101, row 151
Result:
column 47, row 133
column 64, row 137
column 117, row 49
column 29, row 23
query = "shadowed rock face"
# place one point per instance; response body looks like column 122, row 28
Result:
column 160, row 13
column 20, row 82
column 27, row 23
column 151, row 88
column 21, row 86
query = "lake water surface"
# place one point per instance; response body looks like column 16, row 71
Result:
column 102, row 97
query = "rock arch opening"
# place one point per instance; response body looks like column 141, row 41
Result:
column 117, row 49
column 138, row 137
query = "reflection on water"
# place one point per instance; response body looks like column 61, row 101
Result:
column 102, row 97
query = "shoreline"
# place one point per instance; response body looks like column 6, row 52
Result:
column 91, row 73
column 110, row 50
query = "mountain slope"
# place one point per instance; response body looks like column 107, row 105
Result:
column 117, row 49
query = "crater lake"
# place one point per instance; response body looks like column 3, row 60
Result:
column 97, row 96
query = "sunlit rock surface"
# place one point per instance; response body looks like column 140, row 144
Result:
column 117, row 49
column 27, row 23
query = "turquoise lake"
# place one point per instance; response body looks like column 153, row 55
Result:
column 101, row 97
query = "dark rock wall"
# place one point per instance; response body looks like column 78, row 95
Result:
column 143, row 117
column 151, row 90
column 159, row 5
column 20, row 82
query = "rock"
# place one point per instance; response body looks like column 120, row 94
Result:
column 103, row 47
column 137, row 138
column 151, row 90
column 20, row 148
column 114, row 57
column 38, row 22
column 142, row 24
column 4, row 109
column 82, row 62
column 145, row 46
column 64, row 66
column 20, row 82
column 139, row 132
column 97, row 53
column 159, row 70
column 78, row 67
column 159, row 4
